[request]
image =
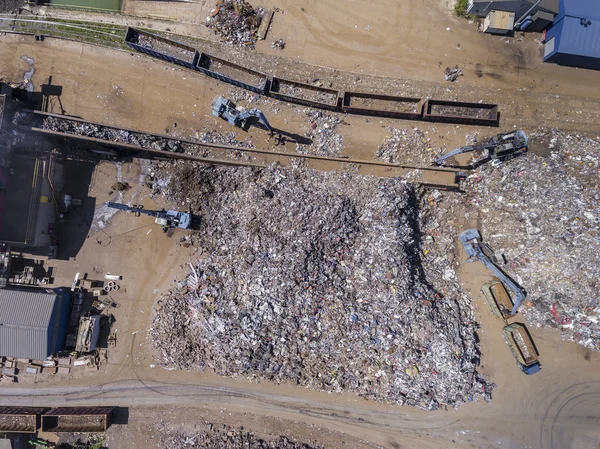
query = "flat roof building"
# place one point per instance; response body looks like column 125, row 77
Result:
column 574, row 38
column 482, row 8
column 33, row 322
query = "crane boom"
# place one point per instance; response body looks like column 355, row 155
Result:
column 139, row 210
column 166, row 218
column 471, row 239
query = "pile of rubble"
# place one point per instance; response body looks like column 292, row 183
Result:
column 10, row 6
column 212, row 436
column 452, row 73
column 149, row 141
column 235, row 22
column 407, row 146
column 326, row 141
column 139, row 139
column 543, row 212
column 318, row 278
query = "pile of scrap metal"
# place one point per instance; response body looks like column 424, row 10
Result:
column 236, row 21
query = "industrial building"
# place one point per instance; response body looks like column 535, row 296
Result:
column 481, row 8
column 33, row 322
column 504, row 16
column 574, row 38
column 28, row 178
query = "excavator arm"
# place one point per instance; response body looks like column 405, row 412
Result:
column 261, row 118
column 466, row 149
column 471, row 239
column 501, row 146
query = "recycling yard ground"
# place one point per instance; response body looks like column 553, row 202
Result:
column 556, row 408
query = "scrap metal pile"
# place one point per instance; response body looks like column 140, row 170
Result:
column 326, row 141
column 394, row 148
column 543, row 212
column 114, row 135
column 235, row 22
column 148, row 141
column 212, row 436
column 317, row 278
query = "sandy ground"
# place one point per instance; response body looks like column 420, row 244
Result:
column 557, row 408
column 412, row 39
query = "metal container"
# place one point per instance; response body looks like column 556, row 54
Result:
column 162, row 48
column 382, row 105
column 305, row 94
column 461, row 112
column 232, row 73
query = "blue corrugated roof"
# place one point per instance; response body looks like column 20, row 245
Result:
column 590, row 9
column 581, row 40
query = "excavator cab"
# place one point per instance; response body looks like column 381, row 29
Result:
column 237, row 115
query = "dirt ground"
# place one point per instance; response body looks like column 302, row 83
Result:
column 139, row 435
column 413, row 41
column 557, row 408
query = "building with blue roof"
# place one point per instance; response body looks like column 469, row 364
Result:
column 574, row 38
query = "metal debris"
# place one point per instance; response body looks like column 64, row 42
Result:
column 318, row 278
column 235, row 22
column 452, row 74
column 543, row 212
column 211, row 436
column 326, row 141
column 279, row 43
column 406, row 146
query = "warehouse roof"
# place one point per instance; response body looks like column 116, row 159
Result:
column 589, row 9
column 578, row 39
column 25, row 318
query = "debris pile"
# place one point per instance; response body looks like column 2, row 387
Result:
column 142, row 140
column 317, row 278
column 211, row 436
column 10, row 6
column 406, row 146
column 326, row 141
column 279, row 43
column 235, row 22
column 452, row 73
column 148, row 141
column 543, row 212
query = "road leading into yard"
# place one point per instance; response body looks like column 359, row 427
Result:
column 556, row 409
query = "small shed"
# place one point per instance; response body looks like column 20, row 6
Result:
column 499, row 22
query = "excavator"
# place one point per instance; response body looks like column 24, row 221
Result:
column 238, row 116
column 501, row 147
column 475, row 249
column 167, row 219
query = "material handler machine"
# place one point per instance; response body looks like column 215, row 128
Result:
column 238, row 116
column 498, row 148
column 475, row 249
column 167, row 219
